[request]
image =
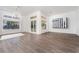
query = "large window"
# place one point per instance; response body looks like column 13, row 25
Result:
column 60, row 23
column 10, row 24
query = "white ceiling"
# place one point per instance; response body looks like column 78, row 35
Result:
column 48, row 10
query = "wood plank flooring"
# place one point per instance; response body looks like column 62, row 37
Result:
column 44, row 43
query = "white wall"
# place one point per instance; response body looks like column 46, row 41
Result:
column 0, row 23
column 25, row 25
column 72, row 22
column 77, row 23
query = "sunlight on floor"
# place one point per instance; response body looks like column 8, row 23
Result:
column 4, row 37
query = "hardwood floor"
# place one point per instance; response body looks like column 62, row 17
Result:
column 44, row 43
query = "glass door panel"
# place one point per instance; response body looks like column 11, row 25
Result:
column 43, row 24
column 33, row 26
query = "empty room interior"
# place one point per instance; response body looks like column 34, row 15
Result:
column 39, row 29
